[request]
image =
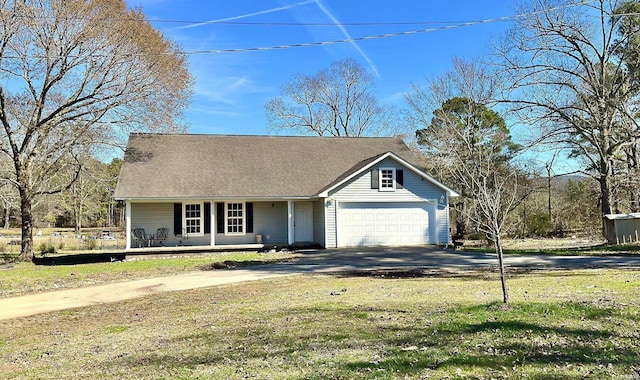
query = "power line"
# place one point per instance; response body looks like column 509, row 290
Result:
column 383, row 36
column 366, row 38
column 306, row 24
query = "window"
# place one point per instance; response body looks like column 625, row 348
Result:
column 193, row 218
column 234, row 219
column 387, row 179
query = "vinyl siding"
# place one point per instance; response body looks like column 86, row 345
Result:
column 415, row 189
column 151, row 217
column 331, row 232
column 443, row 234
column 270, row 222
column 359, row 189
column 318, row 221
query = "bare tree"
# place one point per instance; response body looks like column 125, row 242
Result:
column 472, row 142
column 571, row 79
column 8, row 200
column 337, row 101
column 78, row 75
column 82, row 198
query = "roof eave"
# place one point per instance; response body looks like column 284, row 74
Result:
column 215, row 197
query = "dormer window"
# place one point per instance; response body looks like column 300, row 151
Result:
column 387, row 179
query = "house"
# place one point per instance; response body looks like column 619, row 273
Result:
column 622, row 228
column 233, row 191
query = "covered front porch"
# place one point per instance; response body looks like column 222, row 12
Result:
column 223, row 224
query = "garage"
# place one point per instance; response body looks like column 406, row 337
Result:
column 383, row 224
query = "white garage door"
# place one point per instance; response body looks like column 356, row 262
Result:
column 373, row 224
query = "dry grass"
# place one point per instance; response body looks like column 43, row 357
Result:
column 20, row 278
column 561, row 325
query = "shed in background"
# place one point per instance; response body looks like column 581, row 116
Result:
column 622, row 228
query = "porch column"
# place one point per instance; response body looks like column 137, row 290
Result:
column 289, row 222
column 213, row 223
column 127, row 224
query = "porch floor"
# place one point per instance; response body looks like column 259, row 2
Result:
column 215, row 248
column 196, row 248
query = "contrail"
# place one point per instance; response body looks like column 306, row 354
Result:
column 284, row 8
column 347, row 35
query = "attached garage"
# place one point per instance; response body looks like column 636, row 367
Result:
column 384, row 224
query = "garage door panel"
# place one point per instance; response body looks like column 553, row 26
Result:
column 370, row 224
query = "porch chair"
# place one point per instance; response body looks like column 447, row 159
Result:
column 161, row 235
column 140, row 236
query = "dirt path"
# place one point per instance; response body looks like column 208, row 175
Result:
column 20, row 306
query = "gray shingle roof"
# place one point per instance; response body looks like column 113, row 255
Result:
column 205, row 166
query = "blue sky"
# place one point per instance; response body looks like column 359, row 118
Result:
column 231, row 88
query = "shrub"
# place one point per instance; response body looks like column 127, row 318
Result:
column 91, row 244
column 46, row 248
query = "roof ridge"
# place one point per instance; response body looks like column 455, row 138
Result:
column 265, row 136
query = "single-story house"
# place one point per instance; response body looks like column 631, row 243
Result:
column 622, row 228
column 222, row 190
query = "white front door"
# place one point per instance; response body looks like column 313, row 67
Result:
column 303, row 222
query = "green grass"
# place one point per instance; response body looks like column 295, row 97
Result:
column 560, row 325
column 18, row 278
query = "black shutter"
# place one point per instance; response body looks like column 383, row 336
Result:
column 374, row 179
column 220, row 217
column 177, row 218
column 399, row 179
column 207, row 217
column 249, row 217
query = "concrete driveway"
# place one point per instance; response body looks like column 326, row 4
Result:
column 312, row 261
column 335, row 260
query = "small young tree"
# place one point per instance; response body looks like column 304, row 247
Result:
column 473, row 143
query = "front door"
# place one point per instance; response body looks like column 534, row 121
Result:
column 303, row 222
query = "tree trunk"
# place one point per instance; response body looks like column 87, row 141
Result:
column 632, row 175
column 549, row 197
column 7, row 214
column 605, row 190
column 26, row 252
column 503, row 279
column 77, row 216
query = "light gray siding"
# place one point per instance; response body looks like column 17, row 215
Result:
column 151, row 217
column 359, row 189
column 443, row 234
column 269, row 220
column 318, row 221
column 415, row 189
column 331, row 223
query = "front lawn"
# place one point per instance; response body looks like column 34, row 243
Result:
column 18, row 278
column 560, row 325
